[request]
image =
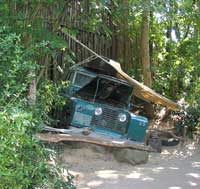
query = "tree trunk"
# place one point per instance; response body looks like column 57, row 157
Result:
column 145, row 54
column 32, row 92
column 151, row 42
column 122, row 36
column 27, row 41
column 145, row 45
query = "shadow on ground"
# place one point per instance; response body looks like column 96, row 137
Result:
column 174, row 168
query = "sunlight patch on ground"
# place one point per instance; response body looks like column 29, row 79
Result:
column 148, row 179
column 107, row 174
column 180, row 151
column 175, row 187
column 165, row 152
column 173, row 168
column 134, row 175
column 95, row 183
column 195, row 175
column 192, row 183
column 158, row 169
column 191, row 146
column 196, row 164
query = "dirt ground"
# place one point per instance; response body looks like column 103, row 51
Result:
column 175, row 168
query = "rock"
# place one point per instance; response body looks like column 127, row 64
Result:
column 131, row 156
column 98, row 149
column 86, row 132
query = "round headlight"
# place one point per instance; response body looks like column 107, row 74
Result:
column 98, row 111
column 122, row 117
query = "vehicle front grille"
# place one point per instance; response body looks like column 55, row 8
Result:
column 109, row 120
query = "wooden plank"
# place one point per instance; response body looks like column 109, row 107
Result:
column 146, row 93
column 67, row 137
column 93, row 138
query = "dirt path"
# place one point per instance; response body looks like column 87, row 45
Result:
column 174, row 168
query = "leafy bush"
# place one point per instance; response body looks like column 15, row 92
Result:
column 193, row 110
column 188, row 117
column 24, row 162
column 49, row 95
column 14, row 68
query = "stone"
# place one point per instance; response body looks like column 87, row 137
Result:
column 131, row 156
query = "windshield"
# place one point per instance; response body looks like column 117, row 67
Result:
column 82, row 79
column 104, row 90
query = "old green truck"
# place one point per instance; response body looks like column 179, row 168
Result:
column 101, row 103
column 100, row 100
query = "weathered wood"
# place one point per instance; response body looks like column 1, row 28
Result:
column 93, row 138
column 146, row 93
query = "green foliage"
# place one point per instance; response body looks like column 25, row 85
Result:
column 188, row 117
column 49, row 97
column 12, row 66
column 176, row 52
column 193, row 111
column 24, row 162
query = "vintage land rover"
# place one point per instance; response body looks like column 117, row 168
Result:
column 99, row 98
column 101, row 103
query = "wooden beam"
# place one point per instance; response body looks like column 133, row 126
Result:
column 48, row 137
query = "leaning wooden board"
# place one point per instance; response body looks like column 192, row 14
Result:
column 93, row 138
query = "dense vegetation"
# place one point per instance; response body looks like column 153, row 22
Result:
column 157, row 42
column 24, row 161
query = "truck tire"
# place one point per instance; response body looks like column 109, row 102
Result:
column 170, row 142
